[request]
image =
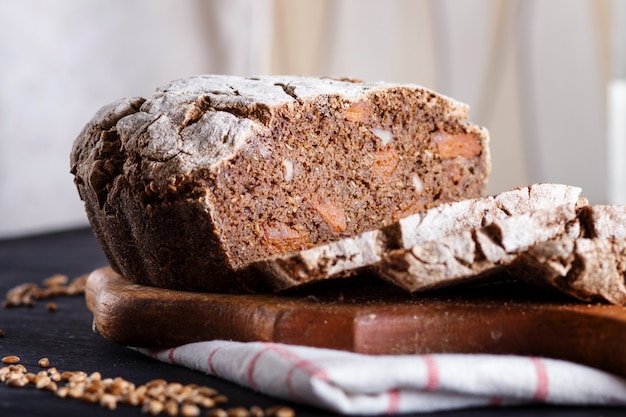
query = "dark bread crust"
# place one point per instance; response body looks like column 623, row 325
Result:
column 590, row 267
column 473, row 254
column 187, row 188
column 581, row 253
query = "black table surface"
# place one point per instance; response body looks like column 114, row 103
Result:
column 66, row 338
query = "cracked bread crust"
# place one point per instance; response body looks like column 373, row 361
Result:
column 185, row 189
column 439, row 246
column 471, row 254
column 581, row 254
column 591, row 267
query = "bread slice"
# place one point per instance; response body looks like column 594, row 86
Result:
column 187, row 188
column 445, row 243
column 583, row 256
column 591, row 267
column 469, row 254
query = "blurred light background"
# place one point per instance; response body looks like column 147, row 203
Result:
column 545, row 77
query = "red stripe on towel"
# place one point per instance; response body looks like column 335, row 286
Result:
column 253, row 362
column 210, row 360
column 542, row 388
column 170, row 356
column 432, row 378
column 394, row 401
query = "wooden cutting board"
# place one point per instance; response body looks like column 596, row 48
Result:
column 372, row 319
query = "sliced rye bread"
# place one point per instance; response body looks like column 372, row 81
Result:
column 591, row 267
column 351, row 255
column 587, row 261
column 471, row 253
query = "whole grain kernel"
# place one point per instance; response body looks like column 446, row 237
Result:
column 207, row 391
column 156, row 383
column 11, row 359
column 256, row 411
column 174, row 387
column 108, row 401
column 238, row 412
column 43, row 362
column 153, row 407
column 217, row 412
column 17, row 380
column 66, row 375
column 56, row 280
column 55, row 371
column 95, row 376
column 42, row 381
column 132, row 398
column 91, row 397
column 76, row 391
column 52, row 307
column 220, row 399
column 156, row 392
column 1, row 333
column 77, row 376
column 171, row 407
column 205, row 402
column 62, row 392
column 94, row 386
column 18, row 368
column 190, row 410
column 280, row 411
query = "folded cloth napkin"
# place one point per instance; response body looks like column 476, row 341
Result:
column 351, row 383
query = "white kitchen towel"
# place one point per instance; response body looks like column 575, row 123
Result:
column 351, row 383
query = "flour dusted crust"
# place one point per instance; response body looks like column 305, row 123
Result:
column 544, row 234
column 441, row 245
column 186, row 188
column 469, row 254
column 581, row 253
column 590, row 267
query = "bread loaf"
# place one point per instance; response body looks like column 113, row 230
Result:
column 187, row 188
column 441, row 245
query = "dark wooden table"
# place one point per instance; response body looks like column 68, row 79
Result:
column 66, row 338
